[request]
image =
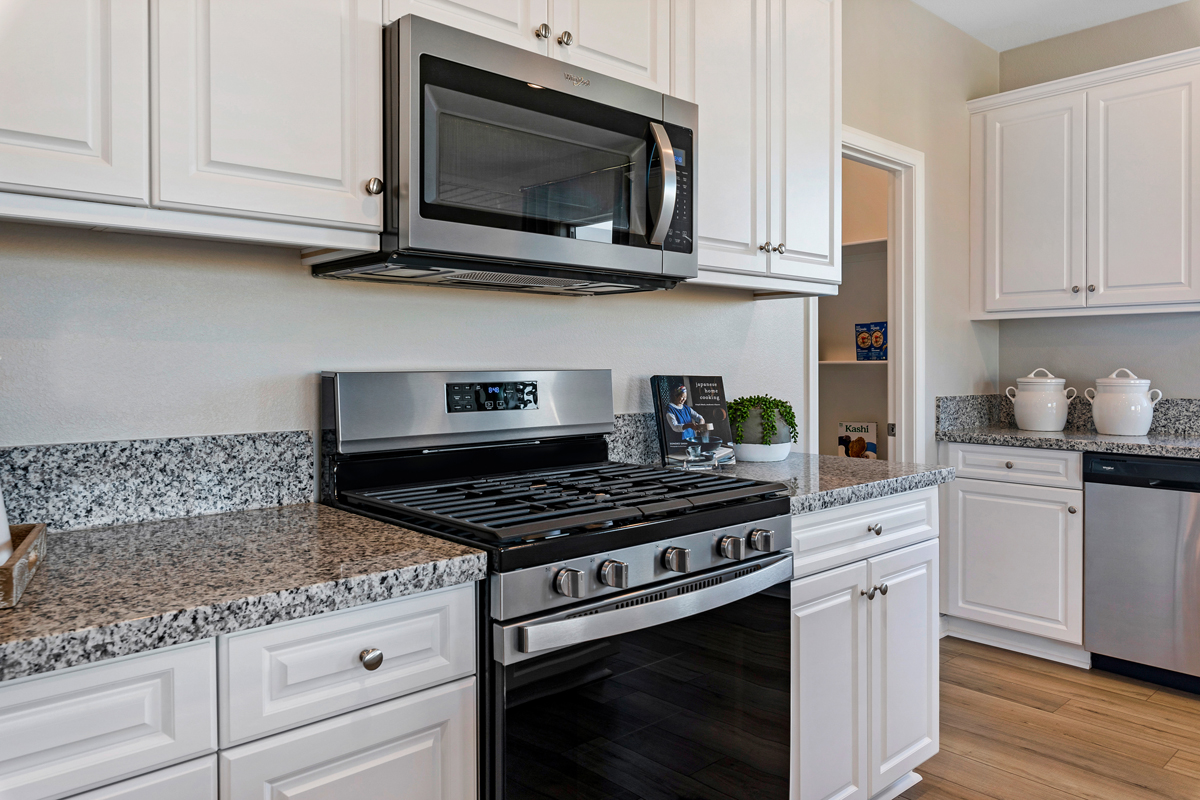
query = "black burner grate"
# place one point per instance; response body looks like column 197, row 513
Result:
column 540, row 503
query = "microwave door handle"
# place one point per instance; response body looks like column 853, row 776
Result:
column 534, row 637
column 666, row 209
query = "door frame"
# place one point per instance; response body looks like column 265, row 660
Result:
column 906, row 294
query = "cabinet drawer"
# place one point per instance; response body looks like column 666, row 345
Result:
column 421, row 746
column 281, row 676
column 65, row 733
column 193, row 780
column 1018, row 465
column 827, row 539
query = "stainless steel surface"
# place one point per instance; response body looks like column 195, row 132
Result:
column 414, row 37
column 677, row 559
column 379, row 411
column 542, row 31
column 639, row 609
column 1075, row 289
column 570, row 583
column 371, row 658
column 666, row 209
column 762, row 539
column 733, row 547
column 375, row 186
column 615, row 574
column 565, row 38
column 779, row 248
column 1142, row 575
column 530, row 591
column 1072, row 510
column 870, row 594
column 876, row 529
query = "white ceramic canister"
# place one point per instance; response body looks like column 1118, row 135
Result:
column 1040, row 402
column 1122, row 406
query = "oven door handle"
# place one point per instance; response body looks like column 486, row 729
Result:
column 639, row 609
column 666, row 209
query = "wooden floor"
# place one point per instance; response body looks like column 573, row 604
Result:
column 1020, row 728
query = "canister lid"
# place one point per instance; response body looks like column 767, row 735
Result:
column 1033, row 379
column 1130, row 380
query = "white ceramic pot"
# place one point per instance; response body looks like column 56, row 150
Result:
column 762, row 452
column 5, row 538
column 1040, row 402
column 1122, row 406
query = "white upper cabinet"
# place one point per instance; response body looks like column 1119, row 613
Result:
column 1085, row 193
column 767, row 77
column 510, row 21
column 269, row 109
column 627, row 39
column 1144, row 190
column 74, row 102
column 1029, row 186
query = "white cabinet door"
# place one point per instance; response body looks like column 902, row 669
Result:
column 1016, row 557
column 727, row 71
column 806, row 139
column 192, row 780
column 829, row 685
column 1144, row 190
column 419, row 747
column 1031, row 195
column 509, row 21
column 269, row 109
column 905, row 631
column 74, row 101
column 627, row 39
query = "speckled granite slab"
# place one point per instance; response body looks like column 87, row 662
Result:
column 111, row 592
column 72, row 486
column 1154, row 444
column 634, row 439
column 818, row 482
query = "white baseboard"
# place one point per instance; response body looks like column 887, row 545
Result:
column 898, row 786
column 1017, row 641
column 944, row 629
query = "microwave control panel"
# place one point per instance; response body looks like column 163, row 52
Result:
column 491, row 396
column 679, row 237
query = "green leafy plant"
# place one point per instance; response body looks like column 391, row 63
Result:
column 739, row 412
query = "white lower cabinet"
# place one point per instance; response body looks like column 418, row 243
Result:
column 193, row 780
column 1015, row 557
column 864, row 674
column 420, row 747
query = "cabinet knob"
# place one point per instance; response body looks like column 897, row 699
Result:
column 870, row 594
column 1008, row 465
column 779, row 248
column 882, row 588
column 876, row 529
column 1072, row 510
column 375, row 186
column 371, row 658
column 565, row 39
column 1075, row 290
column 542, row 31
column 765, row 247
column 1091, row 287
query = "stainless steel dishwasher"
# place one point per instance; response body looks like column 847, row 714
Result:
column 1141, row 605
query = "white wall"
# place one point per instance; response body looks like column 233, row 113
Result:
column 865, row 191
column 118, row 336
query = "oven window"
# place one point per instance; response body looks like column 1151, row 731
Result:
column 697, row 708
column 501, row 153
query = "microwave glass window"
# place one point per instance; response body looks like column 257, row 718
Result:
column 501, row 153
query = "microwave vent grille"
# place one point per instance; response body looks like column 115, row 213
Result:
column 516, row 280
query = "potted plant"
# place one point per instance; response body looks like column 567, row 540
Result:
column 764, row 428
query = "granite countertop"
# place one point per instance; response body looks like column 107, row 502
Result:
column 818, row 482
column 1155, row 444
column 107, row 592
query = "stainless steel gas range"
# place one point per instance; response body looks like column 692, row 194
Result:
column 635, row 623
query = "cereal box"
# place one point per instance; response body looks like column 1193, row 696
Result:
column 870, row 341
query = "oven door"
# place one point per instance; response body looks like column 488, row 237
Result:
column 680, row 690
column 511, row 169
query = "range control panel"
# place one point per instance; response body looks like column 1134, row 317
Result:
column 491, row 396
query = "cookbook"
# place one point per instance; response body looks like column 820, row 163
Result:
column 693, row 421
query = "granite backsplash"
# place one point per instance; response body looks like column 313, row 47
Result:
column 1172, row 416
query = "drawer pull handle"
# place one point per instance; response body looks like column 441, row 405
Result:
column 870, row 594
column 1008, row 465
column 1072, row 510
column 875, row 529
column 371, row 659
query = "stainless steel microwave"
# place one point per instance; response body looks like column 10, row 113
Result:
column 509, row 170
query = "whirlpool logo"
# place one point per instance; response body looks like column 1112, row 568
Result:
column 575, row 79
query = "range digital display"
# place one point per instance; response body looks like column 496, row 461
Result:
column 511, row 396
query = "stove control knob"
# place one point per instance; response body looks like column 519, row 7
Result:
column 677, row 559
column 762, row 539
column 570, row 582
column 733, row 547
column 615, row 573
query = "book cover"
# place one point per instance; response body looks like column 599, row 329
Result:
column 870, row 341
column 857, row 439
column 693, row 419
